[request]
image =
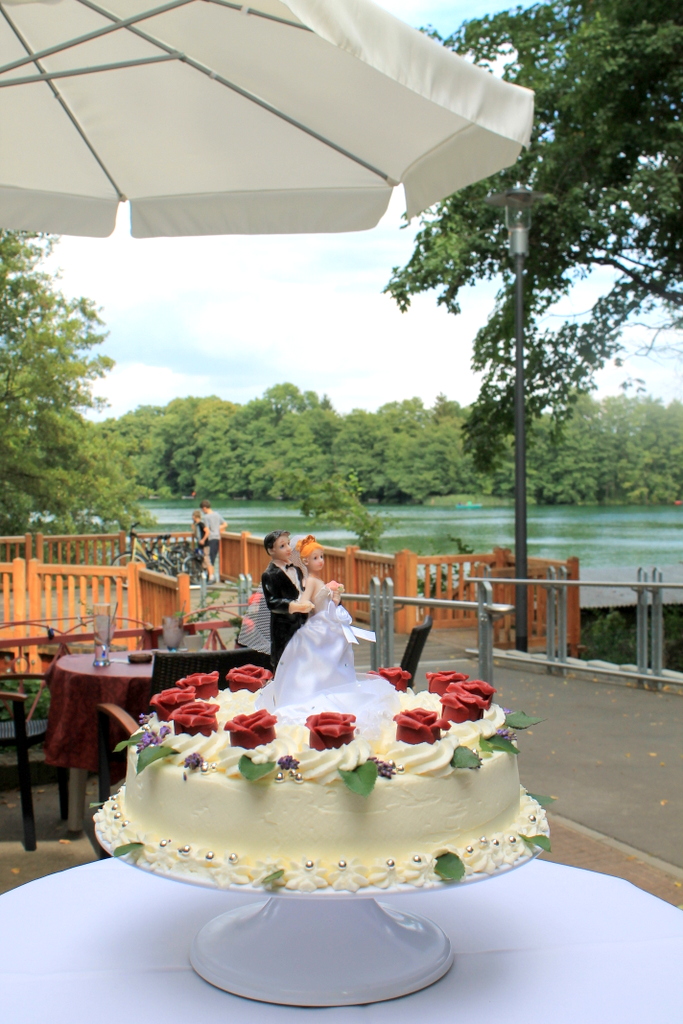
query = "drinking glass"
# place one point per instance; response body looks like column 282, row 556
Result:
column 103, row 628
column 173, row 632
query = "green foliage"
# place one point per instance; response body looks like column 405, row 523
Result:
column 620, row 450
column 463, row 757
column 543, row 842
column 497, row 743
column 148, row 755
column 56, row 468
column 607, row 148
column 450, row 867
column 360, row 780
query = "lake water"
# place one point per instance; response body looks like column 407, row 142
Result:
column 598, row 535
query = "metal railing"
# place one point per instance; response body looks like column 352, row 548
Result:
column 649, row 666
column 384, row 603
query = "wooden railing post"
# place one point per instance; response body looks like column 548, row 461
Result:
column 33, row 588
column 40, row 545
column 351, row 577
column 28, row 546
column 244, row 552
column 122, row 541
column 135, row 609
column 19, row 594
column 405, row 582
column 184, row 606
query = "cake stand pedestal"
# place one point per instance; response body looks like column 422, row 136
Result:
column 314, row 950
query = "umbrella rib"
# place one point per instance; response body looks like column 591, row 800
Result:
column 65, row 107
column 49, row 76
column 244, row 93
column 260, row 14
column 96, row 34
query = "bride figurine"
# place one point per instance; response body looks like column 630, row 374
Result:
column 316, row 671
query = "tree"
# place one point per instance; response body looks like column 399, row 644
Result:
column 608, row 149
column 335, row 501
column 56, row 467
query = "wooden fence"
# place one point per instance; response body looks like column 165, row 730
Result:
column 444, row 577
column 85, row 548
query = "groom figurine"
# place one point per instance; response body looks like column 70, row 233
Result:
column 282, row 584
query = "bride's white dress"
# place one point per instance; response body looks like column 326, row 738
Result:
column 316, row 673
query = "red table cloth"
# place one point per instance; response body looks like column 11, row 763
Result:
column 76, row 688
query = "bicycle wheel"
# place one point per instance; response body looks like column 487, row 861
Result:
column 161, row 564
column 125, row 558
column 194, row 567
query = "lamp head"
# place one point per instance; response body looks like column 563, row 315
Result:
column 517, row 202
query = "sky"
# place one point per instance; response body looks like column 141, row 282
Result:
column 233, row 315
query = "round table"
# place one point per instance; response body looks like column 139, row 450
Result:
column 545, row 943
column 76, row 688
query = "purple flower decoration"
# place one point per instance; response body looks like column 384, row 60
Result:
column 193, row 761
column 507, row 711
column 506, row 734
column 385, row 769
column 150, row 738
column 288, row 763
column 144, row 719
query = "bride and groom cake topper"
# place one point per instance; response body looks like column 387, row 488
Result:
column 311, row 632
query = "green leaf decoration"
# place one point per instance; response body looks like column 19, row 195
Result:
column 463, row 757
column 100, row 804
column 251, row 771
column 362, row 779
column 450, row 867
column 131, row 741
column 520, row 720
column 544, row 801
column 498, row 743
column 273, row 877
column 121, row 851
column 541, row 841
column 151, row 754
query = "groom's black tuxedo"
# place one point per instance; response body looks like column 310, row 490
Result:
column 278, row 591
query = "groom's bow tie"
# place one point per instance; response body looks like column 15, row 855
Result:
column 290, row 566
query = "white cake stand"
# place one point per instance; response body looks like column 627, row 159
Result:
column 321, row 949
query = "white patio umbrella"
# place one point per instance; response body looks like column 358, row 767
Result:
column 213, row 117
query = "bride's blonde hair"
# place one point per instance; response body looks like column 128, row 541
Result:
column 307, row 545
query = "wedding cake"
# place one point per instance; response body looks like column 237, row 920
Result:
column 376, row 786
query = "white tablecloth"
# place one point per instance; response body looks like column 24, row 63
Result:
column 545, row 943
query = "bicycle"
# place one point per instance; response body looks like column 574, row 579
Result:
column 149, row 554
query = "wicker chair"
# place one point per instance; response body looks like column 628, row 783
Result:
column 23, row 731
column 415, row 646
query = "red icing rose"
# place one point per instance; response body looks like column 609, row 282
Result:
column 248, row 677
column 398, row 677
column 462, row 703
column 438, row 681
column 205, row 684
column 482, row 689
column 251, row 731
column 170, row 700
column 419, row 726
column 330, row 730
column 195, row 717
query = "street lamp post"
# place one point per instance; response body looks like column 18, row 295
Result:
column 517, row 202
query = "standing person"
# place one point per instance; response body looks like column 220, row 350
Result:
column 282, row 588
column 201, row 538
column 216, row 526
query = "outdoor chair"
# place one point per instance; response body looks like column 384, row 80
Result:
column 415, row 646
column 23, row 731
column 170, row 666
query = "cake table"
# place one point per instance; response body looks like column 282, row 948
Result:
column 550, row 942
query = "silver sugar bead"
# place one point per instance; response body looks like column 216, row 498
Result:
column 210, row 855
column 298, row 777
column 417, row 859
column 392, row 764
column 114, row 807
column 469, row 849
column 205, row 768
column 232, row 858
column 400, row 769
column 309, row 865
column 292, row 773
column 532, row 817
column 391, row 863
column 184, row 849
column 484, row 841
column 124, row 823
column 513, row 839
column 118, row 814
column 342, row 865
column 496, row 843
column 280, row 777
column 164, row 842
